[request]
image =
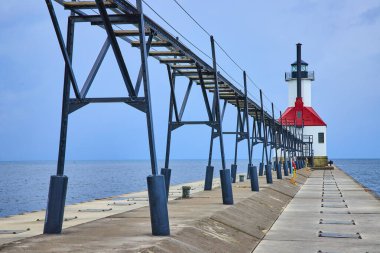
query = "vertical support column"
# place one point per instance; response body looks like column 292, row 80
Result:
column 225, row 174
column 210, row 169
column 234, row 165
column 156, row 183
column 261, row 169
column 274, row 134
column 58, row 183
column 252, row 169
column 302, row 146
column 269, row 142
column 233, row 172
column 259, row 134
column 283, row 147
column 166, row 171
column 288, row 148
column 268, row 167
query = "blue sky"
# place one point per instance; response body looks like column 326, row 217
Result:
column 341, row 44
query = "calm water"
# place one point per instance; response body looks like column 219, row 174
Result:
column 365, row 171
column 24, row 185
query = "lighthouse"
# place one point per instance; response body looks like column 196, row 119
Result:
column 300, row 115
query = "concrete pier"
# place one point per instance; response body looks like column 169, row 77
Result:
column 331, row 213
column 281, row 217
column 199, row 224
column 31, row 224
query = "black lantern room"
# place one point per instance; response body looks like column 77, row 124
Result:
column 304, row 72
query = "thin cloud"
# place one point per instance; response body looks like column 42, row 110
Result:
column 371, row 16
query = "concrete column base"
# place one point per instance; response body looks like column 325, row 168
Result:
column 233, row 172
column 208, row 178
column 254, row 178
column 158, row 205
column 166, row 172
column 56, row 205
column 225, row 181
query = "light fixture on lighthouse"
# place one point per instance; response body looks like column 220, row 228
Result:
column 304, row 66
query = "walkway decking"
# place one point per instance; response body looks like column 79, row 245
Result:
column 333, row 203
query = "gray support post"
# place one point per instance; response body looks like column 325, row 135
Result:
column 156, row 183
column 269, row 142
column 234, row 165
column 252, row 169
column 210, row 169
column 209, row 177
column 233, row 172
column 290, row 167
column 283, row 145
column 268, row 167
column 302, row 144
column 288, row 148
column 286, row 168
column 166, row 171
column 225, row 174
column 274, row 134
column 58, row 183
column 259, row 127
column 261, row 169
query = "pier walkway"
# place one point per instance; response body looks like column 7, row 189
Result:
column 25, row 225
column 327, row 211
column 331, row 213
column 199, row 224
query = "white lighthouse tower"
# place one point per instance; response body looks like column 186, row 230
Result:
column 300, row 112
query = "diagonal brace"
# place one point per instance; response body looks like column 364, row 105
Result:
column 140, row 76
column 184, row 103
column 95, row 68
column 115, row 46
column 63, row 47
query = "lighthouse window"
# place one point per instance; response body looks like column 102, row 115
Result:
column 299, row 114
column 321, row 137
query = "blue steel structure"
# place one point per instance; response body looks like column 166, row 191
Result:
column 180, row 61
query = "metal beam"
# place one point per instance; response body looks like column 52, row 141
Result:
column 116, row 48
column 62, row 46
column 185, row 99
column 95, row 68
column 145, row 74
column 139, row 78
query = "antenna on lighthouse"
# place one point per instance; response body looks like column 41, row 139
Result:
column 299, row 70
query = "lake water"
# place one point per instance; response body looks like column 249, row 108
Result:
column 365, row 171
column 24, row 185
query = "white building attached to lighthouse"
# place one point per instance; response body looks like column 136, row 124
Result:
column 300, row 112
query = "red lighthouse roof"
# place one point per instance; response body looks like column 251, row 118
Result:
column 299, row 114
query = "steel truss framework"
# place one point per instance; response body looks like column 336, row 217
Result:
column 180, row 61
